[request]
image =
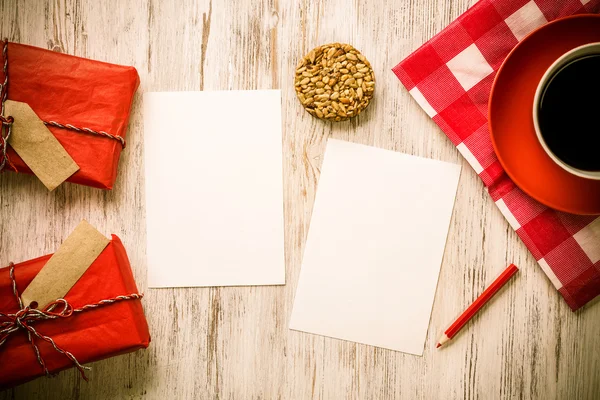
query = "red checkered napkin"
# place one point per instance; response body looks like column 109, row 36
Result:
column 451, row 76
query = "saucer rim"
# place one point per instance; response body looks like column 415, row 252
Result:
column 494, row 87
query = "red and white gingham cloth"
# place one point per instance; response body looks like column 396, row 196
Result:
column 450, row 77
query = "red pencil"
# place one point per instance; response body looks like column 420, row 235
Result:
column 477, row 304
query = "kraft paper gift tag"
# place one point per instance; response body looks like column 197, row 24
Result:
column 38, row 147
column 66, row 266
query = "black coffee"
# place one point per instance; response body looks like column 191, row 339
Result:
column 569, row 113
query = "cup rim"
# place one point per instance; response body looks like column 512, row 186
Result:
column 595, row 175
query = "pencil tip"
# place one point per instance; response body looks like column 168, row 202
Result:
column 438, row 345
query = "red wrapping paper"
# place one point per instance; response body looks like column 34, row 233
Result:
column 76, row 91
column 91, row 335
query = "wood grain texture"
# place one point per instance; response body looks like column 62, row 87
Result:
column 233, row 343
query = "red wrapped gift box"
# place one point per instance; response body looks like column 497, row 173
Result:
column 91, row 335
column 76, row 91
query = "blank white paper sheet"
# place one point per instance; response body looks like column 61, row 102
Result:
column 375, row 246
column 214, row 188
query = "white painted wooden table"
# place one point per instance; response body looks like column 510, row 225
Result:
column 233, row 343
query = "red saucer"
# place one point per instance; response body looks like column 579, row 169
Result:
column 511, row 120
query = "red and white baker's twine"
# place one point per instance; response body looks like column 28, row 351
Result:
column 6, row 122
column 26, row 316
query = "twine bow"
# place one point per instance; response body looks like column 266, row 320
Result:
column 27, row 316
column 6, row 122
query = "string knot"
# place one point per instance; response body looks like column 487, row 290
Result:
column 23, row 318
column 5, row 131
column 6, row 121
